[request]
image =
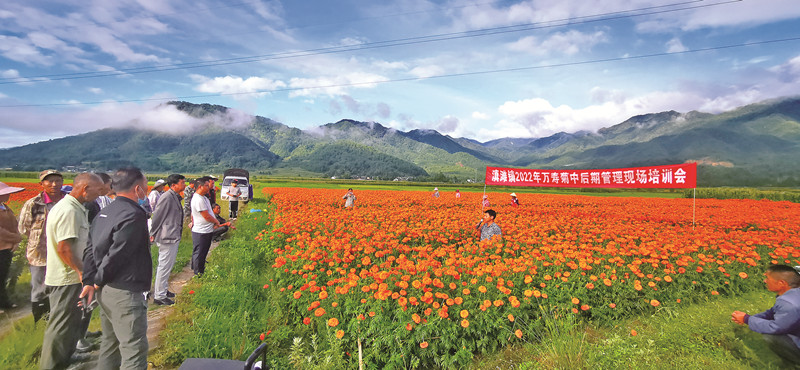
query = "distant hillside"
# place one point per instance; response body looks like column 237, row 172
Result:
column 756, row 144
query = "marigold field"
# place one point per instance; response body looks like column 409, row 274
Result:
column 404, row 274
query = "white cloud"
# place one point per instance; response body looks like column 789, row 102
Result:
column 23, row 51
column 25, row 124
column 567, row 43
column 237, row 86
column 427, row 71
column 676, row 46
column 480, row 116
column 332, row 86
column 448, row 124
column 95, row 90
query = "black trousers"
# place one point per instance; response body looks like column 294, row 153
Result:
column 201, row 244
column 234, row 208
column 5, row 264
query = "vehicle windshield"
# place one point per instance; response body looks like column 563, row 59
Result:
column 227, row 182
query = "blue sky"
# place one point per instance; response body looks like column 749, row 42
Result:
column 481, row 69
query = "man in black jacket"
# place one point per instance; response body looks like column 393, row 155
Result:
column 117, row 265
column 166, row 229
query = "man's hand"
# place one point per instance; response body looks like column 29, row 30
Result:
column 88, row 292
column 738, row 317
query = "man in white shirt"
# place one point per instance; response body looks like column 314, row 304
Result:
column 203, row 224
column 233, row 197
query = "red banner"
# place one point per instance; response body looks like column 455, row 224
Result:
column 676, row 176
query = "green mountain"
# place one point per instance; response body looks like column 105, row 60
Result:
column 753, row 145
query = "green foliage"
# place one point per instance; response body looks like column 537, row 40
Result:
column 348, row 159
column 22, row 345
column 790, row 195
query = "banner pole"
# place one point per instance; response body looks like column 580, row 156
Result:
column 694, row 206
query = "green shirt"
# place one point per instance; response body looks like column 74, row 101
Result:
column 68, row 219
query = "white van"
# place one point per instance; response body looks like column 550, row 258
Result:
column 242, row 178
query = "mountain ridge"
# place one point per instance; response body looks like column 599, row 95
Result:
column 756, row 143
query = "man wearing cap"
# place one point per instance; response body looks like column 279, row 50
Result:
column 67, row 236
column 166, row 233
column 9, row 239
column 514, row 200
column 233, row 196
column 32, row 220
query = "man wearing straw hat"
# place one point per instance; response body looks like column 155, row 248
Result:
column 9, row 239
column 32, row 220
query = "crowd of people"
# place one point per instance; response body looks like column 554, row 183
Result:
column 88, row 245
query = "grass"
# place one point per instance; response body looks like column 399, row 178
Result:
column 691, row 337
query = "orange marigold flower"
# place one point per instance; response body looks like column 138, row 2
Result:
column 332, row 322
column 319, row 312
column 585, row 307
column 612, row 305
column 416, row 318
column 511, row 317
column 498, row 303
column 654, row 303
column 464, row 323
column 634, row 333
column 714, row 292
column 339, row 333
column 575, row 300
column 323, row 294
column 409, row 327
column 297, row 294
column 464, row 314
column 423, row 345
column 307, row 320
column 743, row 275
column 482, row 289
column 518, row 333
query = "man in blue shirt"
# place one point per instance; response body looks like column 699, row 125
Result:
column 780, row 324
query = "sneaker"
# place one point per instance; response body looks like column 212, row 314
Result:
column 170, row 294
column 164, row 302
column 83, row 346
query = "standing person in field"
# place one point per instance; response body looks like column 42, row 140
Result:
column 105, row 199
column 155, row 193
column 514, row 200
column 32, row 221
column 349, row 198
column 233, row 197
column 187, row 199
column 167, row 226
column 435, row 192
column 203, row 224
column 458, row 194
column 486, row 203
column 119, row 269
column 9, row 239
column 212, row 190
column 67, row 238
column 488, row 229
column 780, row 325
